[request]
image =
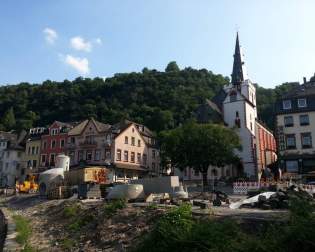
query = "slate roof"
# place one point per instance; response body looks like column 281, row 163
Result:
column 306, row 90
column 219, row 98
column 78, row 129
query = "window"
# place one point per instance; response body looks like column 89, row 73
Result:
column 126, row 156
column 196, row 173
column 97, row 156
column 33, row 150
column 62, row 143
column 144, row 159
column 304, row 120
column 288, row 121
column 118, row 158
column 53, row 144
column 132, row 157
column 88, row 155
column 290, row 141
column 29, row 150
column 139, row 143
column 306, row 140
column 54, row 132
column 153, row 166
column 107, row 154
column 133, row 140
column 138, row 158
column 37, row 149
column 72, row 140
column 34, row 163
column 43, row 159
column 52, row 159
column 44, row 145
column 80, row 155
column 292, row 166
column 126, row 140
column 286, row 104
column 302, row 103
column 153, row 154
column 133, row 130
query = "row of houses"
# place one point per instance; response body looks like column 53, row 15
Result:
column 129, row 149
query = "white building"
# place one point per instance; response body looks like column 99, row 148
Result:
column 235, row 106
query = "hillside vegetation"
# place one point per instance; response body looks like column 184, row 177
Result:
column 160, row 100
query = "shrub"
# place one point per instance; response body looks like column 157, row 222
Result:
column 112, row 207
column 71, row 211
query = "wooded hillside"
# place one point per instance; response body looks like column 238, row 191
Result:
column 160, row 100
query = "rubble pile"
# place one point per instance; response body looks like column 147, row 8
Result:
column 280, row 199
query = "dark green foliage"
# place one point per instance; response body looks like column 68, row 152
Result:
column 112, row 207
column 199, row 146
column 178, row 231
column 160, row 100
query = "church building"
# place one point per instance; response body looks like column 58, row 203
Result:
column 236, row 107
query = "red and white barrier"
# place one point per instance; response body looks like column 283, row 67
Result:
column 244, row 187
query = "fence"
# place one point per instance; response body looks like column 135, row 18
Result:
column 244, row 187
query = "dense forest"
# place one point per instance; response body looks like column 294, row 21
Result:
column 160, row 100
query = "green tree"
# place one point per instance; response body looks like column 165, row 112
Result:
column 199, row 146
column 172, row 67
column 8, row 119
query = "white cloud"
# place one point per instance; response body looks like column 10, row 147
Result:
column 50, row 35
column 98, row 41
column 79, row 64
column 79, row 43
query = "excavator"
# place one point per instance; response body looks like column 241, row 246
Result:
column 28, row 186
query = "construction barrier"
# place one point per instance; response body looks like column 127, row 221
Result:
column 244, row 187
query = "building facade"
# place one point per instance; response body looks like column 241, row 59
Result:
column 235, row 107
column 53, row 143
column 32, row 149
column 12, row 158
column 89, row 143
column 128, row 149
column 295, row 121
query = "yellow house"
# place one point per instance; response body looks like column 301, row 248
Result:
column 32, row 150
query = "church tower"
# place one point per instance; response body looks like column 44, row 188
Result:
column 239, row 111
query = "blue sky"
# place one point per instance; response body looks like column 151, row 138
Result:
column 63, row 39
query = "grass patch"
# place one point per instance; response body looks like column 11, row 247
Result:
column 177, row 230
column 71, row 211
column 24, row 231
column 67, row 244
column 80, row 222
column 111, row 208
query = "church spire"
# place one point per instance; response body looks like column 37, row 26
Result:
column 239, row 72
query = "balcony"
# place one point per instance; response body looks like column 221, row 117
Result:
column 88, row 144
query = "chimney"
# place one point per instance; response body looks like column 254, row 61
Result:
column 304, row 80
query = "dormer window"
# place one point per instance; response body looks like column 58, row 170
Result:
column 286, row 104
column 302, row 103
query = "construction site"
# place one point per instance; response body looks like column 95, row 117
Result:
column 81, row 210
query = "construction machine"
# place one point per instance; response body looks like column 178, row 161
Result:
column 29, row 185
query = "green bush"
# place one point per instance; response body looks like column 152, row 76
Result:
column 178, row 231
column 71, row 211
column 112, row 207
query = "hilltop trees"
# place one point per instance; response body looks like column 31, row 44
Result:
column 161, row 100
column 199, row 146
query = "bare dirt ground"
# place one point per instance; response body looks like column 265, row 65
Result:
column 73, row 225
column 89, row 229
